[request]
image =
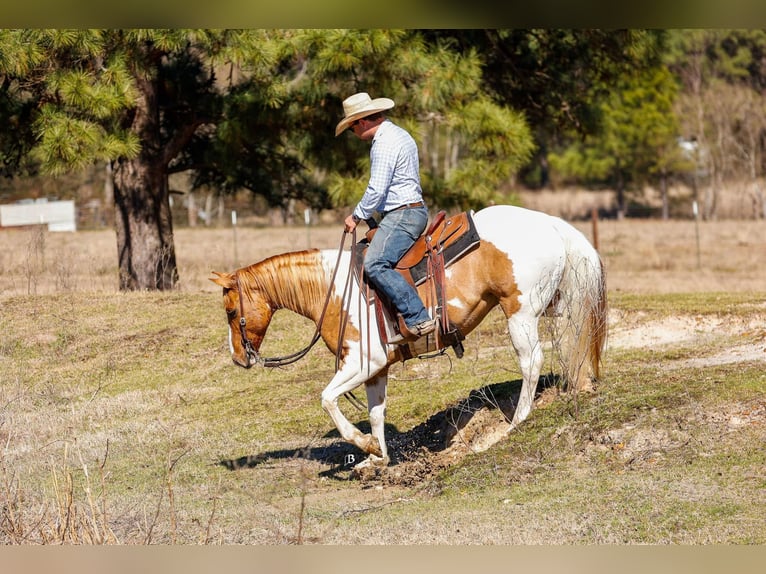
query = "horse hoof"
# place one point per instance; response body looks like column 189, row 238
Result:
column 372, row 447
column 373, row 461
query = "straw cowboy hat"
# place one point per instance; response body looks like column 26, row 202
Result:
column 359, row 106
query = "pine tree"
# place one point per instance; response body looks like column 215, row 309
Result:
column 133, row 98
column 470, row 146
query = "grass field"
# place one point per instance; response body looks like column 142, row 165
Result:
column 124, row 421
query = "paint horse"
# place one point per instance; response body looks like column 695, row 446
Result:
column 527, row 262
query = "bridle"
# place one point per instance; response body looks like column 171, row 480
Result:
column 254, row 357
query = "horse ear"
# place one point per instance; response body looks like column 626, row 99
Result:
column 225, row 280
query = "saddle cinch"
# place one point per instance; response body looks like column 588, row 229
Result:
column 444, row 241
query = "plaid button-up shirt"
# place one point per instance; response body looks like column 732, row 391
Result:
column 394, row 172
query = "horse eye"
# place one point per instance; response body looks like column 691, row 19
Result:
column 231, row 313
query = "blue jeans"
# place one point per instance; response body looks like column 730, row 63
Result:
column 397, row 231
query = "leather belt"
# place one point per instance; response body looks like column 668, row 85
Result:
column 406, row 206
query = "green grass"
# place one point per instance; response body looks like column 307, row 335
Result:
column 735, row 304
column 139, row 390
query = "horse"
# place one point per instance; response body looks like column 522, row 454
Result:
column 528, row 262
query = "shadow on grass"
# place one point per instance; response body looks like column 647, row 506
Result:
column 432, row 436
column 339, row 456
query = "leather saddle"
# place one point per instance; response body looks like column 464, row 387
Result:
column 445, row 241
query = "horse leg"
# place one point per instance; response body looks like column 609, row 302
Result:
column 339, row 385
column 526, row 342
column 376, row 407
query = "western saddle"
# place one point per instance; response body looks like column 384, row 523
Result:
column 444, row 241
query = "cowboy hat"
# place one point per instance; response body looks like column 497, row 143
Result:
column 359, row 106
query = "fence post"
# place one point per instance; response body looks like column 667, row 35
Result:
column 234, row 229
column 594, row 221
column 695, row 209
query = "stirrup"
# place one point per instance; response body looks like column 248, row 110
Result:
column 407, row 335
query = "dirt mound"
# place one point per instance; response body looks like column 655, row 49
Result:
column 473, row 425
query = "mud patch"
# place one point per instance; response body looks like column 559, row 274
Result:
column 472, row 425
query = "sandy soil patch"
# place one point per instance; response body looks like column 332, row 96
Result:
column 631, row 332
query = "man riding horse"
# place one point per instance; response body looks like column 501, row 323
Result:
column 393, row 190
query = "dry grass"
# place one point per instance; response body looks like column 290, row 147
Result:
column 121, row 414
column 34, row 261
column 647, row 256
column 642, row 256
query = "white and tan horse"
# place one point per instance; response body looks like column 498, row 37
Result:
column 527, row 262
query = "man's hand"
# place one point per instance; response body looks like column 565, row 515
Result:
column 350, row 223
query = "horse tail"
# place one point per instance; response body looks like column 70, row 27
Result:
column 581, row 306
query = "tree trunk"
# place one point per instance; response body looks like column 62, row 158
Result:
column 144, row 226
column 143, row 222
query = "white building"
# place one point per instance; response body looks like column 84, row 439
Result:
column 57, row 215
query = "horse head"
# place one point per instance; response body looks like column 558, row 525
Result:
column 248, row 314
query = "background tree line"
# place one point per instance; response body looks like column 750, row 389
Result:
column 492, row 110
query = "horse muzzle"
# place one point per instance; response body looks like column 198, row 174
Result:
column 244, row 364
column 251, row 358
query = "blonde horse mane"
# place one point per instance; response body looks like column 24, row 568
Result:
column 294, row 281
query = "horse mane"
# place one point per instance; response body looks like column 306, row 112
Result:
column 294, row 281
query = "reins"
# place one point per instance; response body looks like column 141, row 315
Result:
column 250, row 351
